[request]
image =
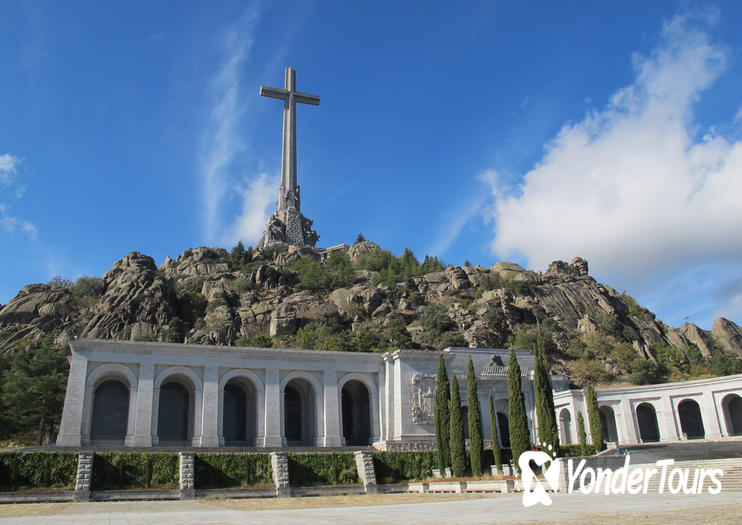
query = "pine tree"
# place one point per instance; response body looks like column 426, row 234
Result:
column 442, row 416
column 495, row 444
column 520, row 437
column 34, row 384
column 593, row 414
column 238, row 256
column 548, row 431
column 581, row 433
column 476, row 443
column 458, row 445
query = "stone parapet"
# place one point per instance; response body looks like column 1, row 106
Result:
column 366, row 471
column 187, row 477
column 280, row 467
column 84, row 476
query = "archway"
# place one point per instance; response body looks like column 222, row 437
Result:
column 565, row 425
column 174, row 413
column 239, row 417
column 503, row 430
column 356, row 413
column 608, row 421
column 110, row 411
column 647, row 419
column 732, row 405
column 299, row 413
column 691, row 422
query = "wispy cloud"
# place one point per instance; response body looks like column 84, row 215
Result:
column 629, row 187
column 9, row 166
column 223, row 142
column 469, row 210
column 257, row 197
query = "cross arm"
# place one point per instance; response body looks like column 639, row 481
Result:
column 280, row 94
column 306, row 99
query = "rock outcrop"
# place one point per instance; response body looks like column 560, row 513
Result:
column 728, row 334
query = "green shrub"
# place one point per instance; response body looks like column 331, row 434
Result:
column 127, row 470
column 573, row 451
column 323, row 469
column 215, row 471
column 31, row 470
column 393, row 467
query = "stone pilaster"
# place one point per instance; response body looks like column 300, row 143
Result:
column 187, row 477
column 366, row 471
column 84, row 477
column 280, row 467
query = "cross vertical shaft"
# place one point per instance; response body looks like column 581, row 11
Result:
column 288, row 197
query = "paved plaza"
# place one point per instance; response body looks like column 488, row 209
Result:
column 408, row 509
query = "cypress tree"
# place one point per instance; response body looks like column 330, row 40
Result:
column 495, row 444
column 442, row 416
column 548, row 431
column 520, row 437
column 476, row 443
column 581, row 433
column 458, row 446
column 593, row 414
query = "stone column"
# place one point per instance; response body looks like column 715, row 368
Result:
column 187, row 478
column 331, row 409
column 711, row 426
column 210, row 414
column 84, row 477
column 273, row 408
column 625, row 421
column 280, row 468
column 70, row 428
column 669, row 430
column 143, row 424
column 366, row 471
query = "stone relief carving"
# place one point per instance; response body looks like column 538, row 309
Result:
column 422, row 399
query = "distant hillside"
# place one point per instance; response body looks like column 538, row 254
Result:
column 363, row 298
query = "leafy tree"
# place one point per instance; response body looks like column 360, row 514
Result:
column 495, row 444
column 442, row 416
column 520, row 436
column 33, row 388
column 644, row 372
column 723, row 363
column 360, row 238
column 547, row 426
column 256, row 341
column 458, row 445
column 581, row 434
column 593, row 414
column 59, row 282
column 432, row 264
column 439, row 330
column 476, row 443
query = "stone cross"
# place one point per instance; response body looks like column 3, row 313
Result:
column 288, row 197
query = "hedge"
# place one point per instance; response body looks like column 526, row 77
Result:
column 392, row 467
column 128, row 470
column 218, row 471
column 323, row 469
column 573, row 451
column 31, row 470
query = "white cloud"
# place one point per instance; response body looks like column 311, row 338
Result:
column 223, row 142
column 13, row 224
column 260, row 193
column 628, row 187
column 8, row 166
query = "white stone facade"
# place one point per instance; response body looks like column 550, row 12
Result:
column 704, row 409
column 212, row 396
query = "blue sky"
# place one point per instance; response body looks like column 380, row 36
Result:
column 520, row 131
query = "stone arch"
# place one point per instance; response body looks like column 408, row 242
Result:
column 302, row 394
column 356, row 413
column 608, row 422
column 373, row 395
column 241, row 421
column 691, row 421
column 177, row 415
column 565, row 426
column 98, row 376
column 732, row 406
column 646, row 418
column 110, row 412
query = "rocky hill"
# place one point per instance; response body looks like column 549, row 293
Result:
column 288, row 297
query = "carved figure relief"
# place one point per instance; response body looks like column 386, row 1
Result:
column 422, row 399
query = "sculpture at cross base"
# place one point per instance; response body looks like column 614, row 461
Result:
column 287, row 225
